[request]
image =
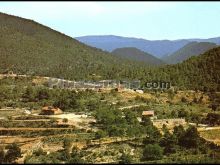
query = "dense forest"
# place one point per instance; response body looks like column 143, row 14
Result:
column 30, row 48
column 135, row 54
column 27, row 47
column 189, row 50
column 201, row 72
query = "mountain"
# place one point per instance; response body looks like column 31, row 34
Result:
column 198, row 72
column 109, row 43
column 28, row 47
column 191, row 49
column 158, row 48
column 212, row 40
column 135, row 54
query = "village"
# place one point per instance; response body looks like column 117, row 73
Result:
column 132, row 87
column 103, row 85
column 42, row 128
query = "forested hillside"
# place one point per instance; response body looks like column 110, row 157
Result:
column 27, row 47
column 191, row 49
column 201, row 72
column 135, row 54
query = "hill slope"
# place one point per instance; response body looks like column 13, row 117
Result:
column 197, row 72
column 158, row 48
column 191, row 49
column 135, row 54
column 28, row 47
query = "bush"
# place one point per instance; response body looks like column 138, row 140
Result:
column 65, row 120
column 100, row 134
column 39, row 152
column 191, row 138
column 152, row 152
column 2, row 155
column 213, row 119
column 76, row 156
column 13, row 152
column 125, row 159
column 169, row 142
column 182, row 113
column 183, row 99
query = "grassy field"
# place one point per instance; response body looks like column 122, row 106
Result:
column 212, row 135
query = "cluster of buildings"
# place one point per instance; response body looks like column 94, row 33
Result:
column 63, row 84
column 159, row 123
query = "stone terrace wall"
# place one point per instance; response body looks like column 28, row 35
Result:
column 169, row 122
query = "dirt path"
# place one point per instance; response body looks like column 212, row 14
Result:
column 34, row 120
column 208, row 128
column 132, row 106
column 32, row 129
column 216, row 141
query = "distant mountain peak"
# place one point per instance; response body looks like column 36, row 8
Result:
column 158, row 48
column 191, row 49
column 135, row 54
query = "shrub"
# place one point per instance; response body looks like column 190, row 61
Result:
column 152, row 152
column 100, row 134
column 125, row 159
column 39, row 152
column 13, row 152
column 183, row 99
column 65, row 120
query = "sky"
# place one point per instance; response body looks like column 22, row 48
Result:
column 147, row 20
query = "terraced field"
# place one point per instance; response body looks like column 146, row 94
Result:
column 212, row 135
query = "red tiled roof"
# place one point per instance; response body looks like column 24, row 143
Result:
column 50, row 109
